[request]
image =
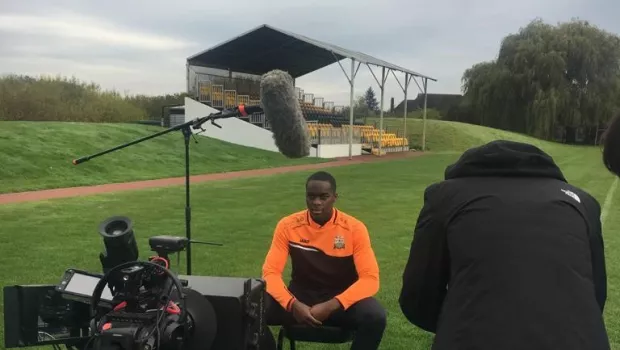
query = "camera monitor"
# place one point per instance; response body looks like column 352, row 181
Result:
column 79, row 286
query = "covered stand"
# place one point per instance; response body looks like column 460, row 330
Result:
column 266, row 48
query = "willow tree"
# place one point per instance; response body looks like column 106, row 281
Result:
column 546, row 76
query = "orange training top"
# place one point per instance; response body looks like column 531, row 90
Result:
column 336, row 259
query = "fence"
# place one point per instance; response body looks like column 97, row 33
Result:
column 332, row 136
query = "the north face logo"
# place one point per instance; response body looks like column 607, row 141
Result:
column 572, row 194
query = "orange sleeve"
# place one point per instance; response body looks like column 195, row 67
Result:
column 275, row 261
column 367, row 268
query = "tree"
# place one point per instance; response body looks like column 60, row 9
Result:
column 371, row 100
column 547, row 76
column 360, row 108
column 59, row 98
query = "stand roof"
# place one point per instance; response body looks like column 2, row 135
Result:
column 266, row 48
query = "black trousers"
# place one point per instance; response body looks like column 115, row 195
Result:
column 367, row 318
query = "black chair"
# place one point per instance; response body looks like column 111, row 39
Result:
column 323, row 335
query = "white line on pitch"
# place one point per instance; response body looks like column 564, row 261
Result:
column 608, row 199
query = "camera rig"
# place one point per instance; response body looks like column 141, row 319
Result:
column 135, row 304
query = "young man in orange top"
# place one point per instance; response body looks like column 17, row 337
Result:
column 334, row 270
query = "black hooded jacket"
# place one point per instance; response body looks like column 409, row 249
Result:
column 507, row 255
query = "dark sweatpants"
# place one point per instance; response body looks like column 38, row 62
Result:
column 367, row 318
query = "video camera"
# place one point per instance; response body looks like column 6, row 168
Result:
column 136, row 305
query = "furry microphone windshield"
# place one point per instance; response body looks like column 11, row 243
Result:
column 283, row 111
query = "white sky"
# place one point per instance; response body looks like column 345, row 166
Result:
column 140, row 46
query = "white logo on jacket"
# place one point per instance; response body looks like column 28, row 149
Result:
column 572, row 194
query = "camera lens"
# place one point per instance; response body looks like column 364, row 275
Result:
column 119, row 240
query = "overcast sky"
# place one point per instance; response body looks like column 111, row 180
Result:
column 140, row 46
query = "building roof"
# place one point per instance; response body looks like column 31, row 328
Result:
column 266, row 48
column 434, row 100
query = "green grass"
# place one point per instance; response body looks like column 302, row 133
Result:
column 447, row 136
column 42, row 239
column 38, row 155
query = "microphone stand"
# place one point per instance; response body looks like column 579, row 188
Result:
column 186, row 129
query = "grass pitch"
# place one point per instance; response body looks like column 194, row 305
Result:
column 40, row 240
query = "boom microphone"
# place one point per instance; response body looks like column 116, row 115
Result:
column 282, row 109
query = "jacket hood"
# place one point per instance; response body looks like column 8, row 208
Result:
column 504, row 158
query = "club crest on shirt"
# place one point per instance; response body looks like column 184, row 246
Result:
column 339, row 242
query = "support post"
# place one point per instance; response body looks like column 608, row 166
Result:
column 352, row 81
column 352, row 84
column 408, row 77
column 425, row 83
column 405, row 110
column 382, row 87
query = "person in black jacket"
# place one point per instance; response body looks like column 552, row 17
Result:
column 507, row 255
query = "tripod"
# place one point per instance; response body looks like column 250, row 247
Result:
column 186, row 129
